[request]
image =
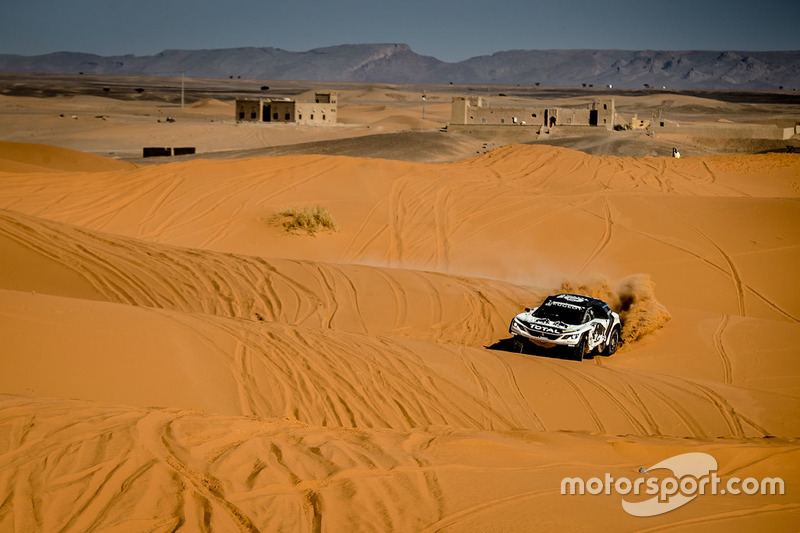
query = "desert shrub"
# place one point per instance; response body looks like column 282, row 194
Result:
column 307, row 219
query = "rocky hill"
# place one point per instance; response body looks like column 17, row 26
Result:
column 397, row 63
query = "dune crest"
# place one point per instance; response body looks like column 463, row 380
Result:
column 24, row 157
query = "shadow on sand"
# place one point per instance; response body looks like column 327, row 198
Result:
column 520, row 346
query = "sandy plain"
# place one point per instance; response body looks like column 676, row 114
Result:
column 173, row 359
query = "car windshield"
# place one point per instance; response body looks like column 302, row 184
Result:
column 553, row 311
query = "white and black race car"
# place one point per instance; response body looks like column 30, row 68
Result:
column 581, row 324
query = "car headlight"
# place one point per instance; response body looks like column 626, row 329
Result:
column 570, row 336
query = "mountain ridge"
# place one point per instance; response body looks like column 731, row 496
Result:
column 398, row 63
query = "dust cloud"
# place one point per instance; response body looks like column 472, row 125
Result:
column 633, row 298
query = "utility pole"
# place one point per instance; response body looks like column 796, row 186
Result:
column 182, row 88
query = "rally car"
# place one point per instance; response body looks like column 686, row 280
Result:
column 581, row 324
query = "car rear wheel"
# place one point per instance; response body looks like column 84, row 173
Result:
column 612, row 344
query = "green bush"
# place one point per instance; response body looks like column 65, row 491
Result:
column 308, row 219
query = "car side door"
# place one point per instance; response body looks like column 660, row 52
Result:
column 598, row 324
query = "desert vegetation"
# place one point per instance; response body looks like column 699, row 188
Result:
column 308, row 220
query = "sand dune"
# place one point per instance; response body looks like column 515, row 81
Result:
column 173, row 359
column 171, row 468
column 391, row 118
column 213, row 103
column 355, row 298
column 326, row 377
column 24, row 157
column 358, row 299
column 590, row 215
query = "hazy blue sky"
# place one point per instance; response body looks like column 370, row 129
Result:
column 450, row 30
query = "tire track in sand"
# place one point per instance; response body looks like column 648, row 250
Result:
column 396, row 216
column 681, row 414
column 611, row 397
column 442, row 222
column 720, row 348
column 774, row 306
column 604, row 239
column 488, row 505
column 719, row 518
column 735, row 276
column 512, row 380
column 734, row 272
column 582, row 397
column 732, row 419
column 153, row 430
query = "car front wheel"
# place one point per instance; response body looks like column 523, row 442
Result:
column 517, row 345
column 580, row 349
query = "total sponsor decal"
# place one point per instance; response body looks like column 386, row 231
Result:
column 545, row 329
column 693, row 474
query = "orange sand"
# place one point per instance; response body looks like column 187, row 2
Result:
column 174, row 359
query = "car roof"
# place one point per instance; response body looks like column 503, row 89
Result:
column 575, row 300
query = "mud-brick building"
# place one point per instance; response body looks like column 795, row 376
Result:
column 310, row 107
column 470, row 110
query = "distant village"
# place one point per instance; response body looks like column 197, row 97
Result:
column 471, row 113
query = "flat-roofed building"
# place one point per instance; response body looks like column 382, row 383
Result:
column 309, row 108
column 470, row 110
